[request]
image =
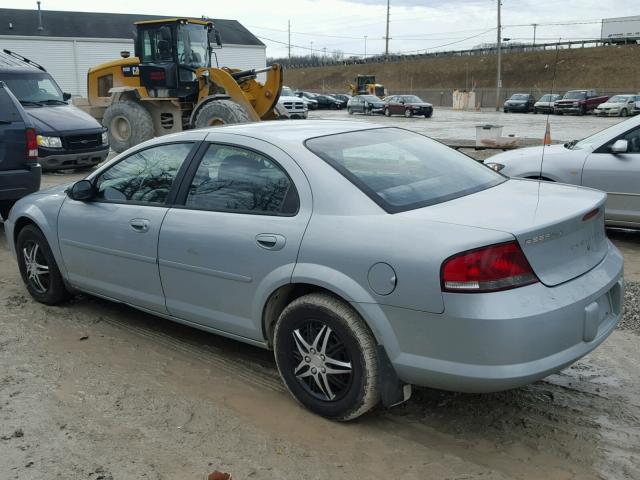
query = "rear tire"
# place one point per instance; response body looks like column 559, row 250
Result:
column 320, row 333
column 38, row 267
column 221, row 112
column 129, row 124
column 387, row 112
column 349, row 111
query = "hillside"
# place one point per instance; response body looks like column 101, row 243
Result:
column 609, row 69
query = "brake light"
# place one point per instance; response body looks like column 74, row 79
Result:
column 487, row 269
column 32, row 145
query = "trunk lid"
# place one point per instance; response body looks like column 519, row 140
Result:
column 547, row 219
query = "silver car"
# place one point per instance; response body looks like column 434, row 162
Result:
column 608, row 160
column 369, row 259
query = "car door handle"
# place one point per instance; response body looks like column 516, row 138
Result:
column 140, row 225
column 270, row 241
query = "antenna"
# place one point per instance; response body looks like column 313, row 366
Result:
column 553, row 86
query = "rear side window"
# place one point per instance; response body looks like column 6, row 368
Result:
column 234, row 179
column 402, row 170
column 144, row 177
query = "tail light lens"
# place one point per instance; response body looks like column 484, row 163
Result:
column 32, row 145
column 487, row 269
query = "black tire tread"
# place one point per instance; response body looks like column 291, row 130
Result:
column 228, row 111
column 139, row 119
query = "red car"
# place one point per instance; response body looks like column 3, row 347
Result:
column 579, row 102
column 407, row 105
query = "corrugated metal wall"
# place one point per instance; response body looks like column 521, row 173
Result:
column 68, row 60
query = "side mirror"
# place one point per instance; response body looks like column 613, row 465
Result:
column 214, row 37
column 620, row 146
column 81, row 191
column 66, row 96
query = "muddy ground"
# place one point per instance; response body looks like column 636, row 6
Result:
column 94, row 390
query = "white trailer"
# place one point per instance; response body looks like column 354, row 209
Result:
column 621, row 29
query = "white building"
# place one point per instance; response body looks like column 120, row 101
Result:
column 67, row 44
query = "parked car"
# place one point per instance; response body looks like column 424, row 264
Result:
column 546, row 103
column 367, row 258
column 343, row 97
column 519, row 102
column 308, row 98
column 67, row 136
column 327, row 101
column 289, row 106
column 579, row 102
column 608, row 161
column 19, row 168
column 367, row 104
column 618, row 106
column 407, row 105
column 308, row 103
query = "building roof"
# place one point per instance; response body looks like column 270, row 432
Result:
column 18, row 22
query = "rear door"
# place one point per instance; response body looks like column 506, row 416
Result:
column 619, row 176
column 236, row 238
column 110, row 245
column 13, row 123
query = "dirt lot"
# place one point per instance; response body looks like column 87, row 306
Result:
column 94, row 390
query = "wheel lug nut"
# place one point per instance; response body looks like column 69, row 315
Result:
column 324, row 370
column 314, row 371
column 307, row 359
column 322, row 357
column 313, row 350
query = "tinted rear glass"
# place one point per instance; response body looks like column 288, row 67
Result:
column 402, row 170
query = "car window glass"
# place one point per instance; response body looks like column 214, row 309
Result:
column 633, row 140
column 234, row 179
column 146, row 176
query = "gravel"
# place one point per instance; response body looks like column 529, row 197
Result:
column 631, row 317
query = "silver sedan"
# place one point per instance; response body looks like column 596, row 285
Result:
column 369, row 259
column 608, row 160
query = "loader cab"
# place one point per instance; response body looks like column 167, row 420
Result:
column 170, row 52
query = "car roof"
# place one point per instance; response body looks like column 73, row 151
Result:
column 293, row 131
column 9, row 63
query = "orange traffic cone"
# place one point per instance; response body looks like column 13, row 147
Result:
column 547, row 135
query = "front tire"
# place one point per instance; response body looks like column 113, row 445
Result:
column 326, row 356
column 408, row 113
column 349, row 111
column 38, row 267
column 623, row 112
column 129, row 124
column 221, row 112
column 387, row 112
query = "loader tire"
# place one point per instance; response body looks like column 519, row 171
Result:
column 129, row 124
column 221, row 112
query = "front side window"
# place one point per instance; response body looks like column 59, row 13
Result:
column 402, row 170
column 146, row 176
column 233, row 179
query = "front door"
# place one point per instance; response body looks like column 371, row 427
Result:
column 618, row 175
column 110, row 245
column 237, row 236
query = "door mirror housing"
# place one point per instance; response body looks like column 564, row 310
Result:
column 214, row 37
column 82, row 191
column 620, row 146
column 66, row 96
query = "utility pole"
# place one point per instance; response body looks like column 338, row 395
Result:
column 324, row 51
column 499, row 48
column 386, row 48
column 312, row 48
column 289, row 30
column 365, row 46
column 534, row 25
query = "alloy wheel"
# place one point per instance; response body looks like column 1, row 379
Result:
column 324, row 367
column 36, row 266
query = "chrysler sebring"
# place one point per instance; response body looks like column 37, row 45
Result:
column 369, row 259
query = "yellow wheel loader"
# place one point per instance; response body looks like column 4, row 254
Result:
column 366, row 85
column 170, row 85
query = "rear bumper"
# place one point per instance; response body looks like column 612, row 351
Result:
column 73, row 160
column 15, row 184
column 496, row 341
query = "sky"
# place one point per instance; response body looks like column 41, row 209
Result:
column 323, row 26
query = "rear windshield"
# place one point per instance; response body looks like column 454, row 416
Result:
column 402, row 170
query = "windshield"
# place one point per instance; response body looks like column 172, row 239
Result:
column 371, row 98
column 411, row 99
column 603, row 136
column 545, row 98
column 38, row 88
column 402, row 170
column 308, row 95
column 519, row 96
column 287, row 92
column 193, row 45
column 574, row 95
column 619, row 99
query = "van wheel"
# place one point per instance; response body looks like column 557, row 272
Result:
column 38, row 267
column 326, row 356
column 221, row 112
column 129, row 124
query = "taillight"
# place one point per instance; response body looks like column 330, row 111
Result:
column 487, row 269
column 32, row 145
